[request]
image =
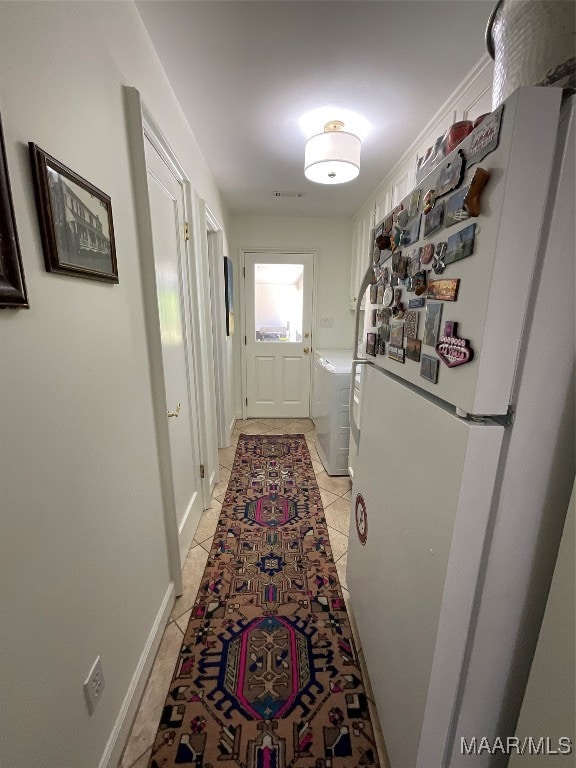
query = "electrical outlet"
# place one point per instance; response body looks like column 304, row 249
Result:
column 94, row 685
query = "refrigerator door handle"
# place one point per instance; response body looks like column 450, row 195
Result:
column 366, row 280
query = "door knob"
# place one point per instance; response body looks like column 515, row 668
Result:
column 306, row 350
column 306, row 335
column 174, row 413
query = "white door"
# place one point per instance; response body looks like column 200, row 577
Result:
column 278, row 289
column 166, row 195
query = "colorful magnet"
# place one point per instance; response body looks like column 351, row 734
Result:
column 411, row 233
column 396, row 353
column 429, row 368
column 429, row 200
column 413, row 262
column 388, row 297
column 451, row 349
column 484, row 139
column 411, row 324
column 432, row 324
column 455, row 211
column 416, row 303
column 445, row 289
column 439, row 264
column 417, row 283
column 399, row 265
column 395, row 237
column 361, row 517
column 414, row 203
column 434, row 220
column 427, row 253
column 413, row 349
column 383, row 242
column 451, row 174
column 371, row 344
column 472, row 199
column 398, row 307
column 460, row 244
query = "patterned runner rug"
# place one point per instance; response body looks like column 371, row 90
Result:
column 268, row 675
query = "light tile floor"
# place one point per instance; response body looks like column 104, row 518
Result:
column 336, row 495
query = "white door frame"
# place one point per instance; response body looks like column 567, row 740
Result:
column 277, row 252
column 141, row 124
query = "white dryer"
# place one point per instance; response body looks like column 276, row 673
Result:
column 330, row 407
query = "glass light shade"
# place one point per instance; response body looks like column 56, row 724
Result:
column 332, row 157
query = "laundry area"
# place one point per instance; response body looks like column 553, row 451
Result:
column 287, row 353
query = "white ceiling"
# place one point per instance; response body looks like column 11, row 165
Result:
column 246, row 71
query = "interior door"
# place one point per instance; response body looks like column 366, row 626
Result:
column 166, row 196
column 278, row 290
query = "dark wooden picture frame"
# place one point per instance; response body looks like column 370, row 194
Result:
column 13, row 292
column 75, row 221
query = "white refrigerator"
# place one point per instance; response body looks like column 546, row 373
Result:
column 462, row 483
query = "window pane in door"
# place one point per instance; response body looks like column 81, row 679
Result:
column 278, row 294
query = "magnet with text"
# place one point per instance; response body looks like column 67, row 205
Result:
column 452, row 349
column 434, row 220
column 417, row 303
column 396, row 353
column 455, row 211
column 460, row 244
column 444, row 289
column 413, row 349
column 451, row 174
column 472, row 199
column 484, row 139
column 429, row 368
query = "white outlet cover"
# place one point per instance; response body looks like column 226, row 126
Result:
column 94, row 685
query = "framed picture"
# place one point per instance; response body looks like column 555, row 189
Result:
column 413, row 347
column 75, row 221
column 229, row 295
column 460, row 245
column 12, row 286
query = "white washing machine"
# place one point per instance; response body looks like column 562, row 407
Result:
column 330, row 407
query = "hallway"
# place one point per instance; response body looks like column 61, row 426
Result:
column 335, row 493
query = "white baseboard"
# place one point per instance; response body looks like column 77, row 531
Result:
column 119, row 735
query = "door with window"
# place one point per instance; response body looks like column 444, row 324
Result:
column 278, row 290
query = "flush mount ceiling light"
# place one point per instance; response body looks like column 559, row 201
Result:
column 332, row 157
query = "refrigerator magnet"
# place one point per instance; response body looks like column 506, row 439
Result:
column 445, row 289
column 451, row 349
column 380, row 293
column 411, row 324
column 484, row 139
column 451, row 174
column 455, row 211
column 460, row 245
column 432, row 324
column 439, row 263
column 429, row 200
column 472, row 199
column 397, row 333
column 384, row 334
column 396, row 353
column 373, row 318
column 429, row 368
column 416, row 303
column 414, row 203
column 434, row 220
column 427, row 253
column 411, row 233
column 371, row 344
column 388, row 296
column 388, row 221
column 373, row 294
column 361, row 517
column 413, row 348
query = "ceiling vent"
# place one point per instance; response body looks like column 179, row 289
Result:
column 288, row 194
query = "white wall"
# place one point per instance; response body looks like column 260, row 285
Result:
column 83, row 563
column 333, row 240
